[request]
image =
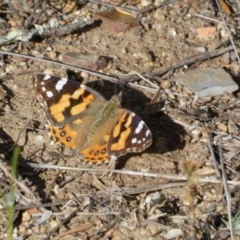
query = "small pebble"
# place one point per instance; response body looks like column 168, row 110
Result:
column 38, row 54
column 166, row 84
column 223, row 34
column 49, row 12
column 26, row 217
column 222, row 127
column 173, row 233
column 22, row 230
column 159, row 15
column 53, row 224
column 173, row 32
column 226, row 58
column 145, row 3
column 84, row 75
column 196, row 132
column 52, row 54
column 201, row 49
column 39, row 138
column 48, row 71
column 145, row 54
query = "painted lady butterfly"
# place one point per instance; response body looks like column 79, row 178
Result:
column 83, row 120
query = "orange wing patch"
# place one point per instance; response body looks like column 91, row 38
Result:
column 84, row 101
column 121, row 132
column 65, row 135
column 96, row 154
column 56, row 110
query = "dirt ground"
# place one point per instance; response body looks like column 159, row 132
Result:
column 166, row 197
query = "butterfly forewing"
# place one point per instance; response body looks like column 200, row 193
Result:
column 65, row 100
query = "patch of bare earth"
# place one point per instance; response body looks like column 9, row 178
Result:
column 157, row 194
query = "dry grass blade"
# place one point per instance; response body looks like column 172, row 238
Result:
column 153, row 188
column 81, row 228
column 34, row 13
column 191, row 60
column 19, row 135
column 113, row 6
column 16, row 11
column 67, row 29
column 229, row 33
column 50, row 234
column 227, row 193
column 52, row 185
column 160, row 5
column 129, row 172
column 212, row 19
column 213, row 156
column 111, row 79
column 159, row 225
column 42, row 205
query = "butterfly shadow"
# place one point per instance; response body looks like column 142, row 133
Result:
column 5, row 96
column 168, row 136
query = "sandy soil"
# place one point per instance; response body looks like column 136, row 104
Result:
column 90, row 205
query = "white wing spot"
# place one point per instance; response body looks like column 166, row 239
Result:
column 43, row 89
column 139, row 127
column 42, row 83
column 46, row 77
column 148, row 133
column 60, row 84
column 134, row 140
column 49, row 94
column 139, row 141
column 144, row 139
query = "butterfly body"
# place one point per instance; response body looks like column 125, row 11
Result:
column 82, row 119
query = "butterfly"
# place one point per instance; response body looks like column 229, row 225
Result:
column 82, row 119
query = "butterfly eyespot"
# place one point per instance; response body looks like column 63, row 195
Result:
column 68, row 139
column 103, row 151
column 91, row 152
column 61, row 128
column 96, row 153
column 63, row 133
